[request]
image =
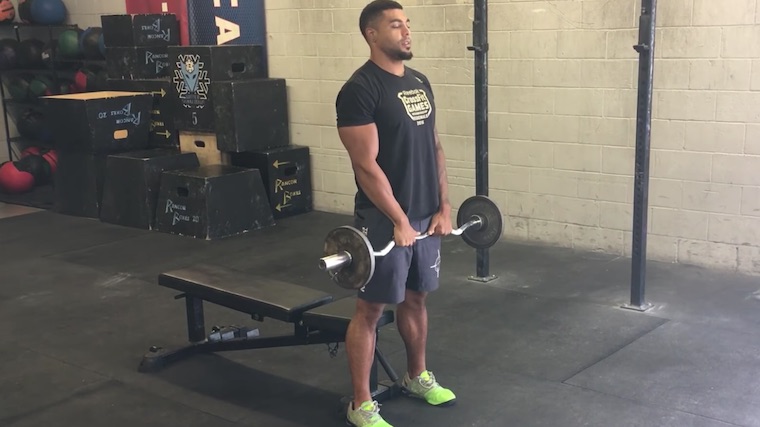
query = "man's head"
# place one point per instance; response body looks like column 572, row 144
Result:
column 385, row 26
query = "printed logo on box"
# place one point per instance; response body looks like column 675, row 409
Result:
column 160, row 59
column 123, row 116
column 191, row 81
column 164, row 35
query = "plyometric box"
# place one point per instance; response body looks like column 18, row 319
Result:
column 162, row 131
column 157, row 29
column 99, row 122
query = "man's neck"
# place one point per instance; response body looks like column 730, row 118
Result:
column 392, row 66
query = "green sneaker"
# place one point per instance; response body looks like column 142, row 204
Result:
column 366, row 415
column 427, row 388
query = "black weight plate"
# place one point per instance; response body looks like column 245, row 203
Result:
column 489, row 232
column 357, row 273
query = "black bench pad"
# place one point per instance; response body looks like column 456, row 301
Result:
column 245, row 292
column 336, row 316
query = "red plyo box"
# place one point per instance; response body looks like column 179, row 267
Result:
column 177, row 7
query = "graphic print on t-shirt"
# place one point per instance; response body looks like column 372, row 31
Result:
column 417, row 105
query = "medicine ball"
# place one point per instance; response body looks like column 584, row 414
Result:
column 68, row 43
column 48, row 12
column 50, row 156
column 14, row 181
column 7, row 12
column 18, row 86
column 37, row 166
column 25, row 10
column 8, row 53
column 30, row 53
column 42, row 85
column 89, row 42
column 30, row 123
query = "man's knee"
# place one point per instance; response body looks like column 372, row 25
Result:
column 368, row 312
column 415, row 299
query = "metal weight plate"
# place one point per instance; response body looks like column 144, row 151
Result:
column 484, row 235
column 362, row 266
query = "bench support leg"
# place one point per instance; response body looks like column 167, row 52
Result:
column 196, row 325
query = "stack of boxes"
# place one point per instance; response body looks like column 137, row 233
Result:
column 229, row 112
column 137, row 60
column 190, row 140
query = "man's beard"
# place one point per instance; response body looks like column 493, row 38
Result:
column 398, row 54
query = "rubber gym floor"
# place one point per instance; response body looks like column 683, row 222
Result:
column 546, row 344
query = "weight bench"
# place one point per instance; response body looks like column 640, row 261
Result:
column 316, row 316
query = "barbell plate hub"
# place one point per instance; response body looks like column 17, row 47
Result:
column 356, row 273
column 488, row 229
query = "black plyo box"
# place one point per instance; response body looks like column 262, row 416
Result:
column 195, row 68
column 162, row 130
column 157, row 29
column 211, row 202
column 132, row 182
column 78, row 183
column 145, row 62
column 99, row 122
column 287, row 177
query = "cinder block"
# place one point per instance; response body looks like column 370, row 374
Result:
column 616, row 216
column 686, row 105
column 675, row 223
column 741, row 42
column 723, row 12
column 710, row 197
column 681, row 165
column 557, row 73
column 720, row 74
column 579, row 102
column 715, row 137
column 529, row 44
column 581, row 44
column 609, row 73
column 734, row 229
column 735, row 169
column 689, row 42
column 618, row 160
column 578, row 157
column 707, row 254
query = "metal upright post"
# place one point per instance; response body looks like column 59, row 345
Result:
column 645, row 48
column 480, row 47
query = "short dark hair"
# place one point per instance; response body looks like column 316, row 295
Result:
column 373, row 10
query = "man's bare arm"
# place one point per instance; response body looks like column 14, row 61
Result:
column 362, row 144
column 443, row 179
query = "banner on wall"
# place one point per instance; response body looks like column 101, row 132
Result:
column 177, row 7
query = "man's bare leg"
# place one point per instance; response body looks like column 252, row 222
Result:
column 412, row 325
column 360, row 347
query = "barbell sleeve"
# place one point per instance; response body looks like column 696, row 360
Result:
column 333, row 262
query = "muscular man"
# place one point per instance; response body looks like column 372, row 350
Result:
column 386, row 121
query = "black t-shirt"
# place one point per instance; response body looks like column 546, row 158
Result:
column 403, row 110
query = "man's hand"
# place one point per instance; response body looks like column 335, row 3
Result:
column 404, row 234
column 440, row 225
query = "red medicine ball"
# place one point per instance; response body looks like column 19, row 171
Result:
column 14, row 181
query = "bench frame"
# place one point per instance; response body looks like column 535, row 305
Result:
column 158, row 358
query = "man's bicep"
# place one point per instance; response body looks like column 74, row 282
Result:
column 361, row 143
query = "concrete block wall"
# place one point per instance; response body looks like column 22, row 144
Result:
column 563, row 78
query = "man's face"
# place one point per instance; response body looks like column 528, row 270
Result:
column 392, row 35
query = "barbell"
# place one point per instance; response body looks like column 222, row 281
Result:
column 349, row 257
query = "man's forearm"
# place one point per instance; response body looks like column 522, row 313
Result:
column 376, row 186
column 443, row 179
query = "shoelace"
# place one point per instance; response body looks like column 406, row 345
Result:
column 369, row 414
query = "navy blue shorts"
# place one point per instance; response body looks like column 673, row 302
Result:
column 415, row 267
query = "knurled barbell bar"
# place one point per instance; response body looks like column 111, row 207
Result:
column 349, row 257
